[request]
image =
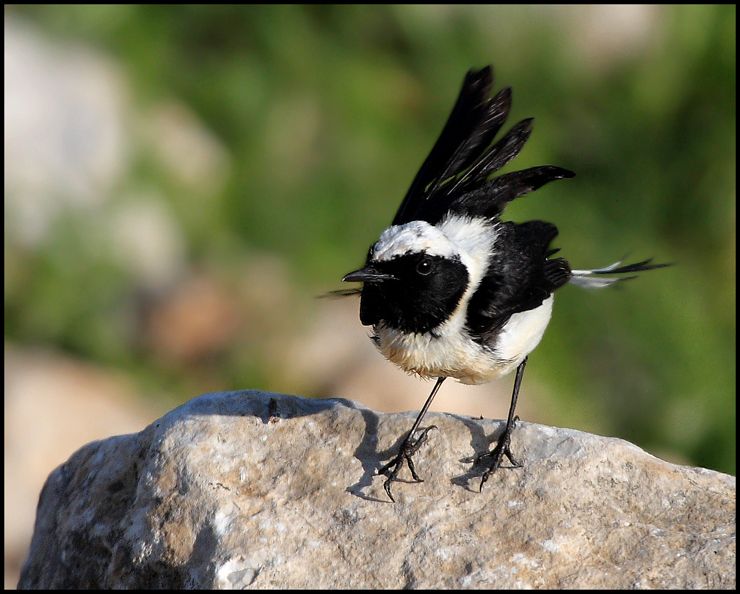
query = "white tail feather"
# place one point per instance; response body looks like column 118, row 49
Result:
column 593, row 282
column 587, row 280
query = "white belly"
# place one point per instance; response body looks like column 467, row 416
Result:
column 452, row 353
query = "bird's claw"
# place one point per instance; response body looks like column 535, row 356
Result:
column 498, row 453
column 392, row 468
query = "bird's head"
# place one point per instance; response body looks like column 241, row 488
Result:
column 413, row 278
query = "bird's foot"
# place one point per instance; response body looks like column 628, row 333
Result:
column 408, row 448
column 497, row 454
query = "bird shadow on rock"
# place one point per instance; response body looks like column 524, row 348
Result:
column 481, row 445
column 370, row 458
column 366, row 452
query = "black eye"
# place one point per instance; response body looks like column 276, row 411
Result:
column 424, row 266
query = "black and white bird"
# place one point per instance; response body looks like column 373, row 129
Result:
column 452, row 291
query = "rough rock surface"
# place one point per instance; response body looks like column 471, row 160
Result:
column 248, row 489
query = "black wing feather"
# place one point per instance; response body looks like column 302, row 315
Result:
column 465, row 118
column 519, row 277
column 454, row 177
column 469, row 152
column 490, row 199
column 495, row 157
column 556, row 272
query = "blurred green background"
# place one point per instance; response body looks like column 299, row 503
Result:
column 304, row 126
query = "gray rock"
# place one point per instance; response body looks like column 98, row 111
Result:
column 248, row 489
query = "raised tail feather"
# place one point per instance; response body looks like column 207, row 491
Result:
column 594, row 279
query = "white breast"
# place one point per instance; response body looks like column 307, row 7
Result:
column 450, row 352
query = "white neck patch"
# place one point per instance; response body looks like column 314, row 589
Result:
column 474, row 239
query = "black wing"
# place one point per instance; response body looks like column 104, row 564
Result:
column 519, row 276
column 454, row 177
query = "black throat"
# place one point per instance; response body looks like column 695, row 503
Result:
column 424, row 294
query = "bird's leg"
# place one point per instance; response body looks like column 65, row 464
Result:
column 408, row 448
column 502, row 447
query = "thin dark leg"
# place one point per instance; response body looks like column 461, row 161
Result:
column 409, row 446
column 502, row 447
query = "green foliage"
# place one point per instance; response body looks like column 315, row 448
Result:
column 327, row 111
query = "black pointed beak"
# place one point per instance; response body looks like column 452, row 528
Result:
column 369, row 274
